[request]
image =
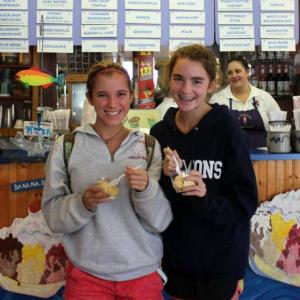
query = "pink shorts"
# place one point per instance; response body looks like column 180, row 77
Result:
column 83, row 286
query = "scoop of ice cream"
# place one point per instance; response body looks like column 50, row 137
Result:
column 179, row 182
column 109, row 189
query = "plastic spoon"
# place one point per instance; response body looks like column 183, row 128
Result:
column 117, row 180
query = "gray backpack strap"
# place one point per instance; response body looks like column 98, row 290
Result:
column 68, row 143
column 69, row 139
column 150, row 144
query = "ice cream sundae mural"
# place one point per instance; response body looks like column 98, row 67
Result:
column 32, row 258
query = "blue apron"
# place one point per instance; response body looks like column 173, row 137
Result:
column 252, row 124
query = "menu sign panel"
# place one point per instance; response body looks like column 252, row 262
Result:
column 193, row 17
column 19, row 46
column 99, row 4
column 142, row 4
column 235, row 27
column 235, row 5
column 99, row 45
column 147, row 17
column 281, row 5
column 13, row 4
column 276, row 37
column 186, row 5
column 55, row 17
column 13, row 18
column 55, row 4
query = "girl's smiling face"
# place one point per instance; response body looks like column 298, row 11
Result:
column 190, row 84
column 111, row 98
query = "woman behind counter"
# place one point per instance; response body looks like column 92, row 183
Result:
column 249, row 105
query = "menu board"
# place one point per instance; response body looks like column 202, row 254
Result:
column 54, row 30
column 14, row 26
column 242, row 24
column 276, row 35
column 147, row 25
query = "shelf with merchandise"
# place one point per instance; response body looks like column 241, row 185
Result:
column 16, row 100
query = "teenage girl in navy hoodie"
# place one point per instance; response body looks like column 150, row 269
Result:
column 206, row 246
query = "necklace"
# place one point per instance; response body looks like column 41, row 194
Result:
column 106, row 141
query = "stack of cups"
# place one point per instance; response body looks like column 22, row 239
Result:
column 296, row 113
column 279, row 133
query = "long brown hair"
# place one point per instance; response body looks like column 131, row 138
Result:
column 195, row 52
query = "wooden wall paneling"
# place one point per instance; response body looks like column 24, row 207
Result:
column 23, row 170
column 4, row 195
column 271, row 181
column 288, row 175
column 31, row 169
column 12, row 177
column 296, row 171
column 280, row 180
column 262, row 183
column 40, row 173
column 256, row 171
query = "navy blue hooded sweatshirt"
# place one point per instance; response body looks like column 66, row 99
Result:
column 209, row 236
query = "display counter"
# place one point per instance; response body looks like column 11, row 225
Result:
column 20, row 182
column 275, row 173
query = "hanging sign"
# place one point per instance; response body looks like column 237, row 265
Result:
column 55, row 46
column 235, row 5
column 13, row 32
column 193, row 17
column 140, row 31
column 145, row 17
column 278, row 45
column 98, row 31
column 228, row 45
column 187, row 5
column 99, row 45
column 152, row 45
column 99, row 17
column 54, row 17
column 99, row 4
column 142, row 4
column 55, row 31
column 233, row 32
column 277, row 32
column 18, row 46
column 235, row 18
column 282, row 5
column 55, row 4
column 187, row 32
column 13, row 4
column 277, row 19
column 13, row 18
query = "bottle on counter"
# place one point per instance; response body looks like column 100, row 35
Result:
column 262, row 82
column 271, row 81
column 286, row 81
column 253, row 77
column 279, row 82
column 279, row 56
column 261, row 56
column 270, row 56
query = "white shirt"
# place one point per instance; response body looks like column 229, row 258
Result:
column 266, row 103
column 164, row 106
